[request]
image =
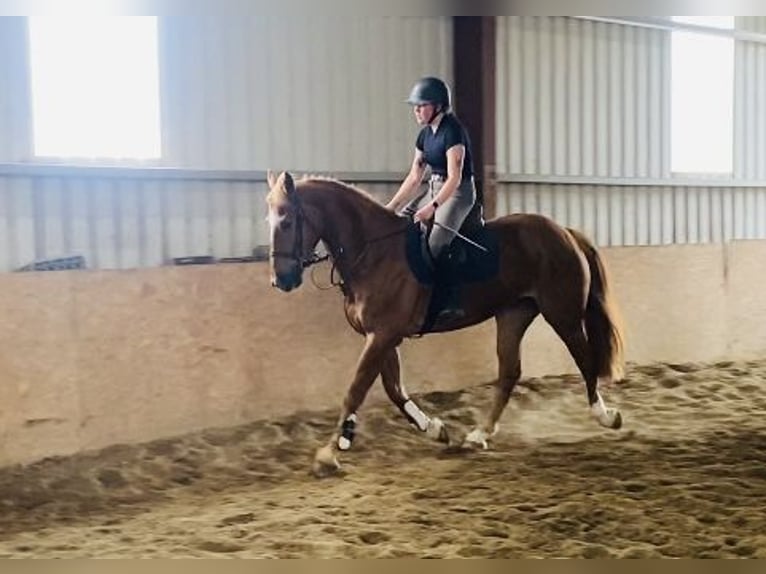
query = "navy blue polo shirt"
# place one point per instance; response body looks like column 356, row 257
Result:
column 435, row 145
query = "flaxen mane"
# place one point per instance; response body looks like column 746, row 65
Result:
column 314, row 181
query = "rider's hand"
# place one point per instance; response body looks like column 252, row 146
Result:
column 425, row 213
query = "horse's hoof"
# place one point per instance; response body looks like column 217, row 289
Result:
column 476, row 440
column 437, row 430
column 323, row 470
column 607, row 418
column 474, row 445
column 611, row 419
column 325, row 463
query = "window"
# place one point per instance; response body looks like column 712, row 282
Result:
column 702, row 97
column 95, row 87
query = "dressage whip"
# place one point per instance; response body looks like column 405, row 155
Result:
column 461, row 236
column 410, row 211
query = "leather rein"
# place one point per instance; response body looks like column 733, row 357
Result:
column 296, row 254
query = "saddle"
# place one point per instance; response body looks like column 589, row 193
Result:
column 470, row 264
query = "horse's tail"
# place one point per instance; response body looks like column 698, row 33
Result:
column 603, row 323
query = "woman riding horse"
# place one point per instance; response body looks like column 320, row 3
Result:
column 444, row 146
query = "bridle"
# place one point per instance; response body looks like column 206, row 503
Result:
column 297, row 252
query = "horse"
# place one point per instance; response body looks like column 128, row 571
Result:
column 543, row 269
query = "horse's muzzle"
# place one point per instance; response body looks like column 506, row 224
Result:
column 287, row 281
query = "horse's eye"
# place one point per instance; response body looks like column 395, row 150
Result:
column 285, row 224
column 281, row 211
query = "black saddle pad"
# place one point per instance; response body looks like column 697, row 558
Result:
column 475, row 264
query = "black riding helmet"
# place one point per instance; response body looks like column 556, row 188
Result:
column 430, row 90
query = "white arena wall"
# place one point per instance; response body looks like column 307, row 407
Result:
column 95, row 358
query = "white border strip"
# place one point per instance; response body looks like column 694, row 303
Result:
column 628, row 181
column 671, row 25
column 175, row 173
column 259, row 176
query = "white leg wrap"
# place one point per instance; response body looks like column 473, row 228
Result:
column 603, row 415
column 435, row 426
column 598, row 409
column 418, row 416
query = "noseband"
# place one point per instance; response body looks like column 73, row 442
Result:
column 297, row 252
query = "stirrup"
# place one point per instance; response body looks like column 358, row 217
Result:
column 451, row 313
column 452, row 310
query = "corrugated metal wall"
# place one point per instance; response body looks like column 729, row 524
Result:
column 644, row 214
column 750, row 104
column 239, row 95
column 310, row 93
column 751, row 23
column 129, row 218
column 313, row 93
column 577, row 97
column 15, row 127
column 122, row 222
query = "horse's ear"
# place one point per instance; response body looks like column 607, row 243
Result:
column 288, row 183
column 271, row 179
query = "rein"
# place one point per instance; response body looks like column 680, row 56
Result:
column 305, row 262
column 369, row 242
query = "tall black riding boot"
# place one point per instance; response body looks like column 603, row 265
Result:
column 448, row 278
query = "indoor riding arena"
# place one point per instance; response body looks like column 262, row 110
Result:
column 160, row 399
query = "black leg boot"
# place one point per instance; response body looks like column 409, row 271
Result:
column 448, row 278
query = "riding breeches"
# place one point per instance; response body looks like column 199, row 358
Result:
column 450, row 215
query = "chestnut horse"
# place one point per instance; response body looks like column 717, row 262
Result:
column 543, row 268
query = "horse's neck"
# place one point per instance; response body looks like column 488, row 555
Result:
column 357, row 232
column 348, row 220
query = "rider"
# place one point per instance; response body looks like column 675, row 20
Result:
column 444, row 146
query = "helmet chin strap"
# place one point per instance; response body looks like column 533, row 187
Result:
column 435, row 115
